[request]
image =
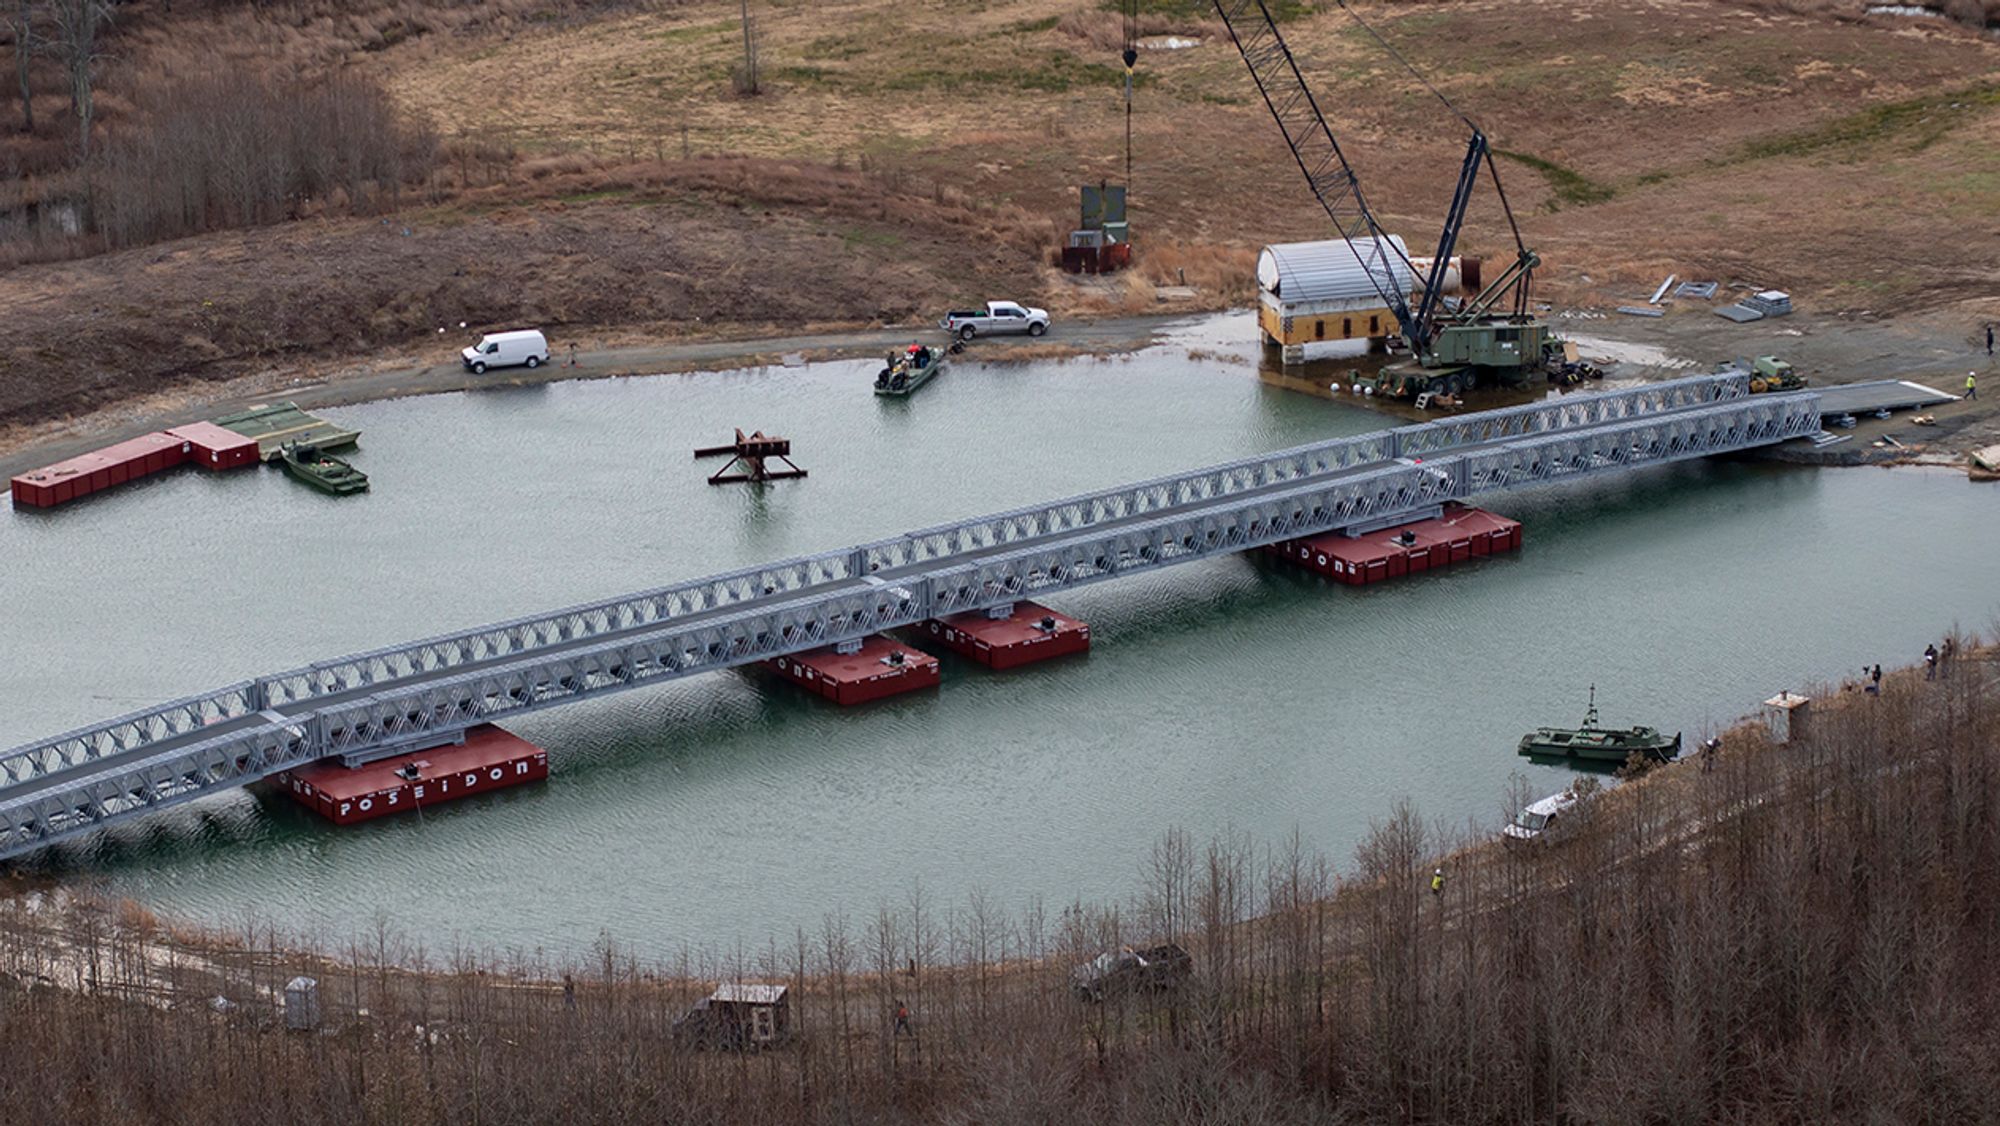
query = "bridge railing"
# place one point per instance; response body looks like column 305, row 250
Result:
column 721, row 593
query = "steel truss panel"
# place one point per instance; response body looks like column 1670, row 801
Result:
column 118, row 792
column 1231, row 508
column 171, row 720
column 1571, row 412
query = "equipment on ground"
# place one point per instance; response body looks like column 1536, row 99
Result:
column 751, row 453
column 1769, row 373
column 1453, row 346
column 1102, row 241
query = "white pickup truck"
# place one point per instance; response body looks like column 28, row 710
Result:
column 999, row 317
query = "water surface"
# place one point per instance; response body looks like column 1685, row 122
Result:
column 730, row 807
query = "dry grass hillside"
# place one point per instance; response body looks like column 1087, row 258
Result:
column 1830, row 154
column 1846, row 157
column 706, row 243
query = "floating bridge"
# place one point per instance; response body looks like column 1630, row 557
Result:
column 426, row 693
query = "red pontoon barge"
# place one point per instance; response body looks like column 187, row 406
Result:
column 1460, row 533
column 1022, row 633
column 88, row 473
column 869, row 670
column 490, row 759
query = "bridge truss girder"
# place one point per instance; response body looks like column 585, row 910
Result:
column 440, row 707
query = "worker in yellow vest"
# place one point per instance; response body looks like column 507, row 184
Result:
column 1971, row 387
column 1437, row 882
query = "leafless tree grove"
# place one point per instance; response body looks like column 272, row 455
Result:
column 232, row 148
column 1804, row 933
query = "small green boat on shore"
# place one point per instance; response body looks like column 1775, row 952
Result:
column 1602, row 745
column 322, row 470
column 909, row 371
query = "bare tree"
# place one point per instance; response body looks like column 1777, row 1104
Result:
column 27, row 40
column 77, row 23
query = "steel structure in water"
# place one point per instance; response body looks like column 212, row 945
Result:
column 420, row 694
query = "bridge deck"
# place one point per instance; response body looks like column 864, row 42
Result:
column 1880, row 395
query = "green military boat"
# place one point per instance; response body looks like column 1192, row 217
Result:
column 1591, row 743
column 907, row 372
column 322, row 470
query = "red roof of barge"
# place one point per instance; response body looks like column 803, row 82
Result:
column 132, row 449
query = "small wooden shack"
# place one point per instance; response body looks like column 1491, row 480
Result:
column 738, row 1015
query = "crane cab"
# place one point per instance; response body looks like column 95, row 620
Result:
column 1508, row 349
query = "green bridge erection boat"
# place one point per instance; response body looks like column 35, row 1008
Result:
column 322, row 470
column 1599, row 745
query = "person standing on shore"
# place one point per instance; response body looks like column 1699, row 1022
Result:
column 1875, row 680
column 1930, row 662
column 1989, row 340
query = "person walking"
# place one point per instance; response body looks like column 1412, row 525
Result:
column 1437, row 882
column 902, row 1020
column 1971, row 385
column 1989, row 340
column 1930, row 662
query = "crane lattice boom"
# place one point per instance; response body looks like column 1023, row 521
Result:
column 1326, row 169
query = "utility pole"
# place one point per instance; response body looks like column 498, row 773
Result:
column 749, row 80
column 1131, row 57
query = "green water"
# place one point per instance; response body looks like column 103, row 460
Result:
column 1235, row 694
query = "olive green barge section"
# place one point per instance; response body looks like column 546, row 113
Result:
column 273, row 426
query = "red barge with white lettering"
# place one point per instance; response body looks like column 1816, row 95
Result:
column 490, row 759
column 1459, row 533
column 870, row 669
column 1024, row 633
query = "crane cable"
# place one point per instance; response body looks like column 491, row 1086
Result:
column 1130, row 55
column 1491, row 168
column 1407, row 65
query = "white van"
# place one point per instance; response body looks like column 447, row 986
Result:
column 1547, row 821
column 506, row 349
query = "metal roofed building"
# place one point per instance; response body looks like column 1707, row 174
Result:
column 748, row 993
column 1308, row 292
column 738, row 1016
